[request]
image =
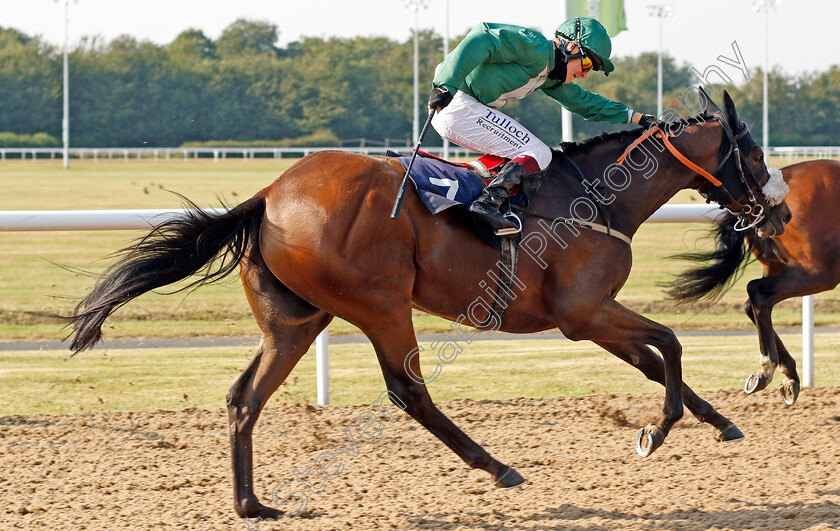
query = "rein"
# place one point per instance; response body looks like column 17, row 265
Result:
column 744, row 211
column 663, row 136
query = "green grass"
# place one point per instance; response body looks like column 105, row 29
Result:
column 45, row 185
column 173, row 379
column 35, row 288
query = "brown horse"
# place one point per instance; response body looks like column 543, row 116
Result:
column 318, row 243
column 803, row 261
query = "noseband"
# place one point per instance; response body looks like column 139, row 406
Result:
column 743, row 211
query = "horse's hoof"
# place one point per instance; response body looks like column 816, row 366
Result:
column 509, row 478
column 649, row 439
column 756, row 382
column 790, row 392
column 730, row 434
column 253, row 509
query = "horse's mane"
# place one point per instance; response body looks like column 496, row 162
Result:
column 583, row 147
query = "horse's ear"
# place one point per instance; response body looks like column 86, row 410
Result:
column 730, row 112
column 707, row 106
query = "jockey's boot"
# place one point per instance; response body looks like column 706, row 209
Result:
column 488, row 206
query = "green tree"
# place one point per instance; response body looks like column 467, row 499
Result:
column 129, row 94
column 191, row 45
column 245, row 88
column 245, row 92
column 30, row 85
column 248, row 37
column 817, row 119
column 788, row 103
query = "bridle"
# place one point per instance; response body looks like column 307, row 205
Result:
column 754, row 208
column 744, row 212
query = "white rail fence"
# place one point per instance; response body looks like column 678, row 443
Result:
column 63, row 220
column 221, row 153
column 215, row 153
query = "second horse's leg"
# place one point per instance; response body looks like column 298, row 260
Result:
column 764, row 294
column 790, row 387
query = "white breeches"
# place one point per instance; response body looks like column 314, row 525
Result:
column 473, row 125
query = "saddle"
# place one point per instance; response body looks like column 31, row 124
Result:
column 443, row 184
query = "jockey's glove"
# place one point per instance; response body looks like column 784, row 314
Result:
column 439, row 98
column 648, row 120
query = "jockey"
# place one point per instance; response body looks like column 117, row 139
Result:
column 498, row 62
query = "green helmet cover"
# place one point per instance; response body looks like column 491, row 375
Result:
column 590, row 34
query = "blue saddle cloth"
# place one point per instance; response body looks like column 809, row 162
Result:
column 441, row 185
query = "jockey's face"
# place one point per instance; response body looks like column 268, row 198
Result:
column 574, row 69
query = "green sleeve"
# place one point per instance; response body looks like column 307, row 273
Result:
column 490, row 43
column 592, row 107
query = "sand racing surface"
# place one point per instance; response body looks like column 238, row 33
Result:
column 171, row 470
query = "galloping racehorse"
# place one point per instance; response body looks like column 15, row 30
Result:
column 803, row 261
column 318, row 243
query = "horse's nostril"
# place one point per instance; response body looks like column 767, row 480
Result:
column 788, row 217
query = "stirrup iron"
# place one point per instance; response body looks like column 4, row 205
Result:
column 513, row 218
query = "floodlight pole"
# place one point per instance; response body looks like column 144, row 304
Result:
column 65, row 120
column 415, row 5
column 567, row 135
column 765, row 6
column 661, row 12
column 765, row 108
column 445, row 53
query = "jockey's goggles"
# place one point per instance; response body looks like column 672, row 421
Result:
column 586, row 63
column 588, row 60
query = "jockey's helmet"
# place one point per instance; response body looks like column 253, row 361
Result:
column 590, row 35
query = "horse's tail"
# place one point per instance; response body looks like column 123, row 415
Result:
column 174, row 250
column 721, row 267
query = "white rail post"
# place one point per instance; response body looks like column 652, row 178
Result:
column 322, row 367
column 808, row 341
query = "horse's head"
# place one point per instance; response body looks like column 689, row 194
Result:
column 743, row 175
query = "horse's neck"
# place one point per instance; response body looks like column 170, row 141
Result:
column 655, row 176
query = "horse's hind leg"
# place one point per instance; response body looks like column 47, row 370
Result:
column 790, row 387
column 652, row 366
column 764, row 294
column 761, row 292
column 289, row 325
column 397, row 351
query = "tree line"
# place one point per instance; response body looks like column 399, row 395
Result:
column 244, row 88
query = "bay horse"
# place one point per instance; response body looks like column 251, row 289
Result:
column 802, row 261
column 318, row 243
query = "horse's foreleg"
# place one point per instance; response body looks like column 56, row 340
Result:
column 651, row 365
column 613, row 323
column 398, row 354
